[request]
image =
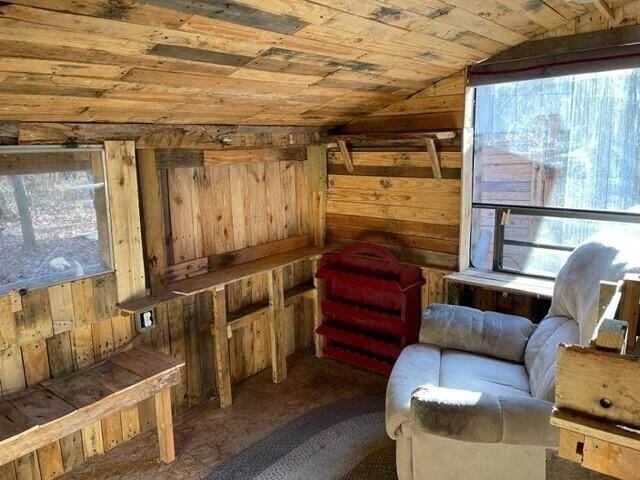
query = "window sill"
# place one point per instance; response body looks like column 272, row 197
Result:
column 504, row 282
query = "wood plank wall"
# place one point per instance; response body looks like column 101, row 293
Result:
column 417, row 218
column 53, row 330
column 71, row 325
column 392, row 197
column 218, row 213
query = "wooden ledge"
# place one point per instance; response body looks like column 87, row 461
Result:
column 251, row 313
column 504, row 282
column 219, row 278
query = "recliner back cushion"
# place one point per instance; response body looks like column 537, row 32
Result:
column 577, row 286
column 540, row 355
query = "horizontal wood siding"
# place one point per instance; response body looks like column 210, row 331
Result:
column 392, row 197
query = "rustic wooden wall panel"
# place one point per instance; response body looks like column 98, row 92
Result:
column 219, row 209
column 71, row 325
column 392, row 197
column 254, row 62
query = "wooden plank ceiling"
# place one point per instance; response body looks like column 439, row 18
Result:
column 259, row 62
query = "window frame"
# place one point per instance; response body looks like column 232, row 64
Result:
column 468, row 205
column 27, row 149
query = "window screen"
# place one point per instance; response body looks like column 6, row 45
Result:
column 556, row 160
column 54, row 222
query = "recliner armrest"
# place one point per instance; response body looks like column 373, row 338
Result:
column 481, row 417
column 468, row 329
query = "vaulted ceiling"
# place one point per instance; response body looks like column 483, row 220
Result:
column 261, row 62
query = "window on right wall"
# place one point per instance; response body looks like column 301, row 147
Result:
column 556, row 160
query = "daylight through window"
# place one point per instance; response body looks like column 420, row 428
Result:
column 556, row 160
column 54, row 222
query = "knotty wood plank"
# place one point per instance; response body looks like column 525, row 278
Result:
column 584, row 394
column 83, row 302
column 231, row 157
column 219, row 323
column 12, row 377
column 8, row 334
column 62, row 313
column 412, row 172
column 125, row 219
column 276, row 325
column 236, row 13
column 34, row 322
column 152, row 216
column 250, row 254
column 164, row 422
column 208, row 137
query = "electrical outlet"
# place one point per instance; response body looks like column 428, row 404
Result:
column 145, row 321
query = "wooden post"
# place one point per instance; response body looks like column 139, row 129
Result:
column 452, row 292
column 316, row 175
column 319, row 215
column 164, row 422
column 221, row 344
column 125, row 219
column 317, row 309
column 153, row 220
column 276, row 325
column 630, row 307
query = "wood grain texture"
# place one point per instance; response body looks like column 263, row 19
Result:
column 251, row 62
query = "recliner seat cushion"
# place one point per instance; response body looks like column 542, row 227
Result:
column 468, row 371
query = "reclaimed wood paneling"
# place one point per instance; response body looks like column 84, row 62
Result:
column 253, row 62
column 208, row 220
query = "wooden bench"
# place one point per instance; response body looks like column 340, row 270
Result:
column 41, row 415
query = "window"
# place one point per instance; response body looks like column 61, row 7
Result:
column 556, row 160
column 54, row 222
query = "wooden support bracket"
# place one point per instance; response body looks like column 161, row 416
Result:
column 435, row 160
column 346, row 156
column 604, row 8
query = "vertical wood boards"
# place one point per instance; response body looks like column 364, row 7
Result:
column 221, row 347
column 276, row 325
column 126, row 232
column 316, row 177
column 152, row 217
column 215, row 210
column 71, row 325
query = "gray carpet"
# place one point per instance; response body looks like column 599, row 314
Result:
column 341, row 441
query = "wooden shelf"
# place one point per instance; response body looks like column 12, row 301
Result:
column 146, row 303
column 437, row 134
column 220, row 278
column 504, row 282
column 249, row 314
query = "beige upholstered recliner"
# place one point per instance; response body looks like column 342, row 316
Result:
column 472, row 400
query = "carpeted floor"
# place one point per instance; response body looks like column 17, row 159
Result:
column 344, row 440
